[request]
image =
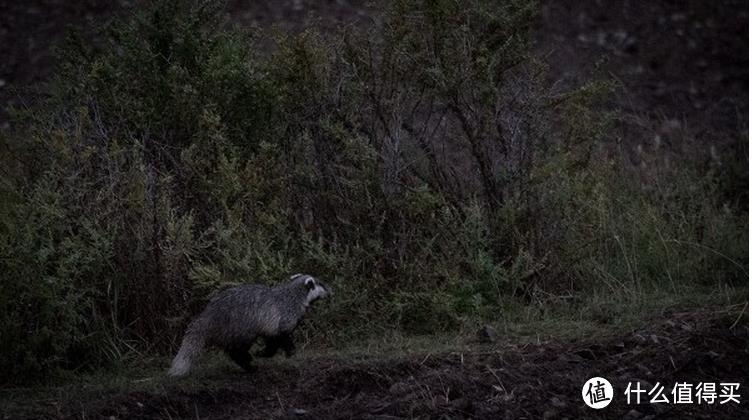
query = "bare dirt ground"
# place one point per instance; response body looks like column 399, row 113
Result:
column 676, row 60
column 494, row 381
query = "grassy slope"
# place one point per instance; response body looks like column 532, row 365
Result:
column 601, row 319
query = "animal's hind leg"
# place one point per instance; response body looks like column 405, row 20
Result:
column 239, row 354
column 271, row 346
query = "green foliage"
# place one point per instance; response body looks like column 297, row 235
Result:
column 426, row 169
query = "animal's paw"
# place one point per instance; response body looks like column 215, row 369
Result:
column 265, row 353
column 249, row 369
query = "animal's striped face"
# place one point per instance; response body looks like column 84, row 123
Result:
column 316, row 288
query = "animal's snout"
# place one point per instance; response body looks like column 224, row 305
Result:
column 329, row 290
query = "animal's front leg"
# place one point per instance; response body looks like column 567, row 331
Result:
column 272, row 344
column 239, row 354
column 287, row 344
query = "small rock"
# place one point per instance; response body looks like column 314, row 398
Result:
column 678, row 17
column 399, row 388
column 621, row 35
column 668, row 127
column 487, row 334
column 462, row 404
column 633, row 414
column 585, row 354
column 556, row 402
column 300, row 412
column 600, row 39
column 644, row 369
column 550, row 414
column 570, row 358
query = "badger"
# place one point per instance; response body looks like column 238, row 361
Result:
column 235, row 318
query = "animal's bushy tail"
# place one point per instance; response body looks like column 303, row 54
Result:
column 191, row 348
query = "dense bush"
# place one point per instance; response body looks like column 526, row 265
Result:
column 424, row 167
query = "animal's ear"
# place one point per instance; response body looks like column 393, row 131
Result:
column 310, row 284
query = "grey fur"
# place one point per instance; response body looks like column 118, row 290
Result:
column 236, row 317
